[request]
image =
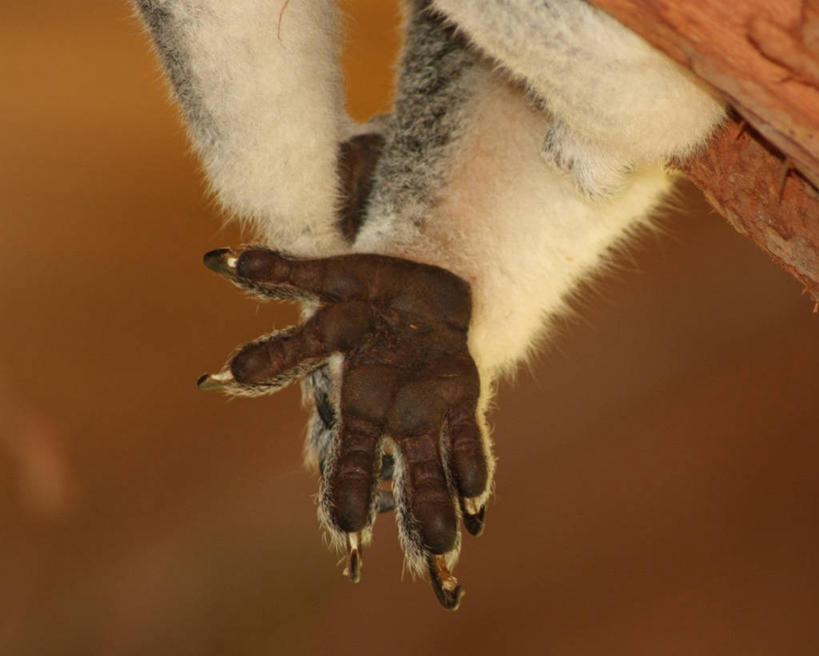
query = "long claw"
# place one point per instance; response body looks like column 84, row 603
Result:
column 218, row 381
column 221, row 260
column 474, row 517
column 354, row 561
column 444, row 584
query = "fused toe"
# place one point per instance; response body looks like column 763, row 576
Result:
column 250, row 363
column 471, row 474
column 389, row 338
column 437, row 525
column 352, row 505
column 257, row 263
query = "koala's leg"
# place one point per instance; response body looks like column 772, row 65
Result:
column 259, row 83
column 461, row 183
column 616, row 102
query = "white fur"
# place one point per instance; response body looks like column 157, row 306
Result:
column 270, row 82
column 516, row 228
column 536, row 156
column 617, row 104
column 520, row 226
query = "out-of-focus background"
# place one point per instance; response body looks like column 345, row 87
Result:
column 657, row 484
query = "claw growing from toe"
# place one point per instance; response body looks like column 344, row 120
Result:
column 354, row 561
column 473, row 516
column 215, row 381
column 470, row 505
column 221, row 260
column 444, row 584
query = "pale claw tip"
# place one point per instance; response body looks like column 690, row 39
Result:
column 215, row 381
column 354, row 560
column 474, row 516
column 221, row 260
column 444, row 584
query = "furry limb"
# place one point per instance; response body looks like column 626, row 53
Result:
column 479, row 197
column 762, row 55
column 260, row 86
column 616, row 103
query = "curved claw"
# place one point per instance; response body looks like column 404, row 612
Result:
column 354, row 560
column 474, row 517
column 209, row 382
column 444, row 584
column 221, row 260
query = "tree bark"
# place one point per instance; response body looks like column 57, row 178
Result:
column 764, row 57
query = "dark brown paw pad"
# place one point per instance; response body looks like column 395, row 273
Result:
column 400, row 329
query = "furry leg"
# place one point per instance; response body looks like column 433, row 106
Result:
column 260, row 86
column 620, row 103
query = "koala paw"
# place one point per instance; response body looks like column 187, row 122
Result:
column 400, row 328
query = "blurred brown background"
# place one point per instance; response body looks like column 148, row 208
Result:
column 657, row 484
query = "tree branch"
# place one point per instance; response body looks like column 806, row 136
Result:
column 764, row 57
column 758, row 195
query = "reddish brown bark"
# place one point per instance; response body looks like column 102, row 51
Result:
column 762, row 198
column 764, row 57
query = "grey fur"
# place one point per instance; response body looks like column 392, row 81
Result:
column 170, row 44
column 439, row 72
column 437, row 78
column 551, row 50
column 324, row 420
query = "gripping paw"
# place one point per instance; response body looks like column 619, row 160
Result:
column 407, row 385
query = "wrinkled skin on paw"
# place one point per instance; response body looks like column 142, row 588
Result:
column 401, row 328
